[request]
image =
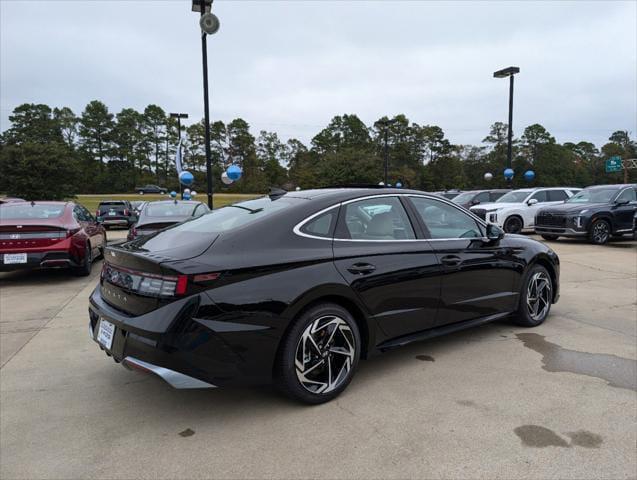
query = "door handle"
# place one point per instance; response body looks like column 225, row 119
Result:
column 361, row 268
column 451, row 260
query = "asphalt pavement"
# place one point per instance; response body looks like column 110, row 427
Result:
column 498, row 401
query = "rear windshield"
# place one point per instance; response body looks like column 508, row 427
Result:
column 169, row 209
column 26, row 211
column 109, row 204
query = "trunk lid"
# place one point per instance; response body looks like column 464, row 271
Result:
column 26, row 237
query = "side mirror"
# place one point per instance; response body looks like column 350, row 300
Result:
column 494, row 233
column 531, row 202
column 475, row 202
column 619, row 203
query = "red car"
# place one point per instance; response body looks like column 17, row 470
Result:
column 49, row 234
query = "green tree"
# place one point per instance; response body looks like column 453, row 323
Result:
column 154, row 131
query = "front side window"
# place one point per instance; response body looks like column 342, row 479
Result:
column 444, row 221
column 381, row 218
column 627, row 195
column 594, row 195
column 514, row 197
column 482, row 197
column 540, row 196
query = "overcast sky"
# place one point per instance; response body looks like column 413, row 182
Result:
column 290, row 66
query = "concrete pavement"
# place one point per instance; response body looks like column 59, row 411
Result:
column 493, row 402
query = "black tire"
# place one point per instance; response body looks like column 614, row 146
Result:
column 550, row 237
column 326, row 362
column 104, row 243
column 526, row 315
column 513, row 224
column 600, row 232
column 84, row 270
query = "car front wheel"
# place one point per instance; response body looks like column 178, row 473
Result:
column 513, row 224
column 550, row 237
column 319, row 355
column 599, row 232
column 535, row 298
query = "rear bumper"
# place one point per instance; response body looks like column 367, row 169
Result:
column 118, row 221
column 562, row 232
column 185, row 346
column 49, row 259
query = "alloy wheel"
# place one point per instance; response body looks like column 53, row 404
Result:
column 601, row 232
column 325, row 354
column 513, row 225
column 538, row 295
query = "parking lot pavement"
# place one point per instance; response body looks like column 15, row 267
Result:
column 498, row 401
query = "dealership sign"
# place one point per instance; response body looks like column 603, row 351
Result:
column 614, row 164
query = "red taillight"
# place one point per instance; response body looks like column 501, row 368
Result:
column 182, row 284
column 97, row 212
column 133, row 233
column 126, row 212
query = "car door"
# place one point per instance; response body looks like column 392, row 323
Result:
column 624, row 210
column 478, row 276
column 394, row 273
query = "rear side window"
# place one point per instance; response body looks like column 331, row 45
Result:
column 381, row 218
column 444, row 221
column 557, row 195
column 321, row 226
column 496, row 195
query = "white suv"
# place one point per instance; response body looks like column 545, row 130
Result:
column 515, row 211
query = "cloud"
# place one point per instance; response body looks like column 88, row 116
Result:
column 289, row 66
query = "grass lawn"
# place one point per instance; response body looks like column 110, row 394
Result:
column 219, row 199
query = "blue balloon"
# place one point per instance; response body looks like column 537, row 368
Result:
column 173, row 194
column 234, row 172
column 529, row 175
column 186, row 178
column 508, row 173
column 186, row 196
column 399, row 185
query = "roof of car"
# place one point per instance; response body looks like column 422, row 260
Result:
column 616, row 185
column 349, row 192
column 167, row 202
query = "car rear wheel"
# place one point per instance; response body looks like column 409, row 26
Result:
column 85, row 269
column 550, row 237
column 535, row 298
column 319, row 355
column 513, row 224
column 599, row 232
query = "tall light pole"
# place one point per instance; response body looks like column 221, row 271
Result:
column 179, row 116
column 509, row 72
column 209, row 25
column 386, row 124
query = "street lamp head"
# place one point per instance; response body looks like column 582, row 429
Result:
column 196, row 5
column 178, row 115
column 506, row 72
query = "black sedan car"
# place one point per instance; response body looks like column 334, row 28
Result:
column 165, row 213
column 476, row 197
column 150, row 189
column 595, row 213
column 297, row 287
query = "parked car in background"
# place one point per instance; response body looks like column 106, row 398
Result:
column 476, row 197
column 515, row 211
column 150, row 189
column 4, row 200
column 165, row 213
column 49, row 234
column 596, row 213
column 295, row 288
column 448, row 194
column 116, row 213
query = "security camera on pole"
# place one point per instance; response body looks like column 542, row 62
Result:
column 209, row 24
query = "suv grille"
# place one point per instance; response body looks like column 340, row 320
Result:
column 550, row 220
